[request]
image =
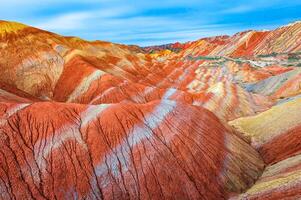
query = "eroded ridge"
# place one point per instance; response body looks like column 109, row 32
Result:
column 159, row 150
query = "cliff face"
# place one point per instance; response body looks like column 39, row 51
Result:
column 215, row 118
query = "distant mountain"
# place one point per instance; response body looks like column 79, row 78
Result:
column 285, row 39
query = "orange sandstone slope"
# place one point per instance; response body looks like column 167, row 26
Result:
column 33, row 60
column 97, row 120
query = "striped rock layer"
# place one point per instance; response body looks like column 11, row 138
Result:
column 216, row 118
column 276, row 135
column 149, row 151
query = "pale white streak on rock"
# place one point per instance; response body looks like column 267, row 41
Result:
column 70, row 131
column 72, row 194
column 92, row 113
column 139, row 98
column 196, row 83
column 184, row 75
column 16, row 108
column 117, row 161
column 169, row 93
column 107, row 91
column 214, row 76
column 175, row 70
column 218, row 90
column 204, row 74
column 84, row 85
column 225, row 101
column 228, row 49
column 12, row 111
column 197, row 103
column 192, row 85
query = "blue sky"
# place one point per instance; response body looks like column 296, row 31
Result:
column 146, row 22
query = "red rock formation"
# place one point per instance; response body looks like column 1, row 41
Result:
column 155, row 150
column 96, row 120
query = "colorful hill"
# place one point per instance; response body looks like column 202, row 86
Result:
column 248, row 44
column 216, row 118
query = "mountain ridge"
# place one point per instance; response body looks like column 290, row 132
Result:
column 215, row 118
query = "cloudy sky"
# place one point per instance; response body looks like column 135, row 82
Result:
column 146, row 22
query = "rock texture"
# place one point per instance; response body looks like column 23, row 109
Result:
column 157, row 150
column 272, row 129
column 216, row 118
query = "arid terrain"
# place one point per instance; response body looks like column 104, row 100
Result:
column 216, row 118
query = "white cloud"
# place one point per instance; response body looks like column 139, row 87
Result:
column 129, row 21
column 64, row 22
column 238, row 9
column 79, row 20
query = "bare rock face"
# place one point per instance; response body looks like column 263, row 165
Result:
column 216, row 118
column 156, row 150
